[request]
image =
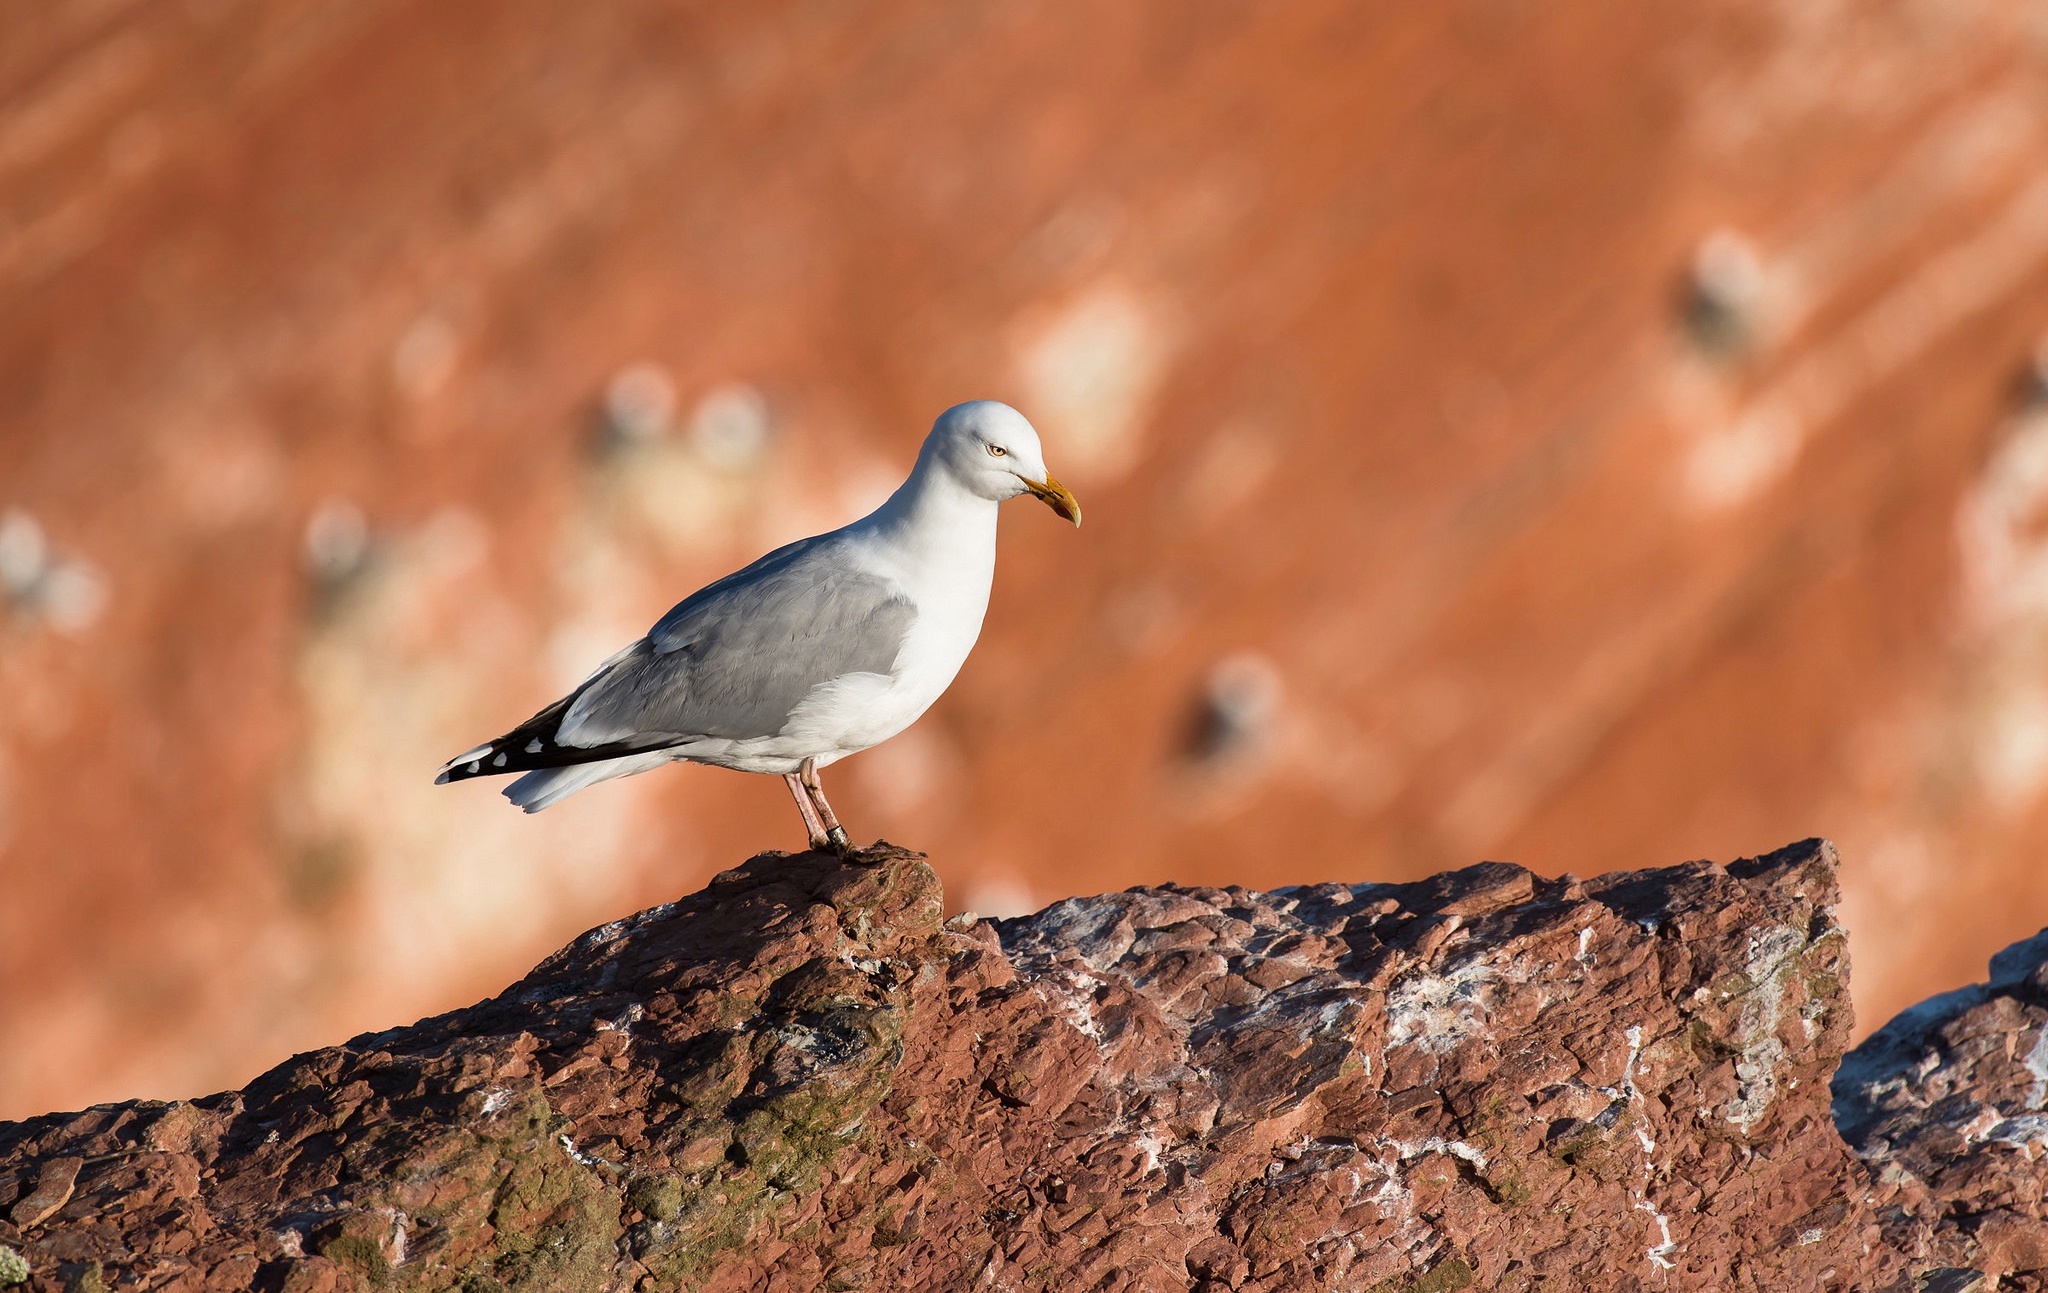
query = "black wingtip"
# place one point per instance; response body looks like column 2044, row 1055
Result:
column 467, row 764
column 527, row 749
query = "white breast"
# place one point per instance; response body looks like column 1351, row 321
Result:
column 949, row 584
column 947, row 626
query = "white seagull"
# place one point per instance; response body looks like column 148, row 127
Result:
column 818, row 650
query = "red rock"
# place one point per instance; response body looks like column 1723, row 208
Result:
column 55, row 1178
column 1949, row 1105
column 802, row 1079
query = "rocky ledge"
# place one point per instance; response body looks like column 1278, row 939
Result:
column 805, row 1078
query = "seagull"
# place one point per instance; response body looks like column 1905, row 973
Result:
column 819, row 650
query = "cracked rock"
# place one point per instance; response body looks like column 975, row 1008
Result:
column 802, row 1078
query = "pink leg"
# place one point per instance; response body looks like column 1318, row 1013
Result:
column 802, row 795
column 835, row 834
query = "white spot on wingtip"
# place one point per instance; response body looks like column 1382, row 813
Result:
column 533, row 746
column 499, row 762
column 476, row 765
column 469, row 757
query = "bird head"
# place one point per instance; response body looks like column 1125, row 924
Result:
column 989, row 448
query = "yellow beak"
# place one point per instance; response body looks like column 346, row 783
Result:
column 1057, row 497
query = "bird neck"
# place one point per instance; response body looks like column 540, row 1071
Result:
column 932, row 502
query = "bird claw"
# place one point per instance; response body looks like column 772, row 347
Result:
column 835, row 842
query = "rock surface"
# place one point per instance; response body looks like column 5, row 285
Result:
column 803, row 1077
column 1949, row 1102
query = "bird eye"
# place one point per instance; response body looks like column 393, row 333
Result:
column 997, row 451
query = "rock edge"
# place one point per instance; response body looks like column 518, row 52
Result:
column 803, row 1078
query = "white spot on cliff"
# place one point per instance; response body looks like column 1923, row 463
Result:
column 398, row 1238
column 2003, row 720
column 1235, row 710
column 632, row 1014
column 1392, row 1198
column 1149, row 1145
column 64, row 591
column 2004, row 556
column 495, row 1099
column 24, row 553
column 2027, row 1133
column 731, row 427
column 1074, row 998
column 1408, row 1149
column 1437, row 1011
column 2012, row 744
column 74, row 596
column 1729, row 289
column 1090, row 372
column 1659, row 1253
column 1585, row 957
column 2036, row 1063
column 569, row 1148
column 1772, row 955
column 640, row 402
column 425, row 356
column 1734, row 464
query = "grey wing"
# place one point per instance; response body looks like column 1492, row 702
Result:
column 734, row 659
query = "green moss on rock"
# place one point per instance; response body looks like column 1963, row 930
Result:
column 89, row 1278
column 1446, row 1276
column 555, row 1222
column 360, row 1254
column 781, row 1142
column 496, row 1208
column 656, row 1197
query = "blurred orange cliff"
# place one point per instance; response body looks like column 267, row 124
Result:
column 1590, row 437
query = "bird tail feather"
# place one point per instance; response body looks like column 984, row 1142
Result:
column 545, row 787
